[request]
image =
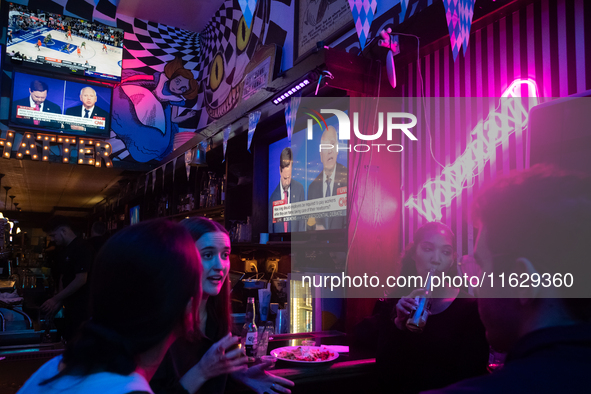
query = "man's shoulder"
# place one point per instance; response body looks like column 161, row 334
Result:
column 72, row 110
column 23, row 101
column 51, row 106
column 100, row 111
column 276, row 190
column 296, row 185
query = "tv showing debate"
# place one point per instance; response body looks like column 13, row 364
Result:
column 57, row 43
column 308, row 181
column 58, row 105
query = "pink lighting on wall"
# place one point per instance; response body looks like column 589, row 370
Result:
column 510, row 115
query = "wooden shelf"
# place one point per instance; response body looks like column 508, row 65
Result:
column 215, row 213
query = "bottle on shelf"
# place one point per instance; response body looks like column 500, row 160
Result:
column 223, row 190
column 204, row 190
column 211, row 190
column 249, row 330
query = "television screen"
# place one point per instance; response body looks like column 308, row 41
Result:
column 308, row 181
column 59, row 43
column 134, row 214
column 63, row 106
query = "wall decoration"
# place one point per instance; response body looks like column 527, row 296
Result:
column 459, row 15
column 226, row 137
column 247, row 7
column 291, row 111
column 253, row 119
column 486, row 72
column 387, row 15
column 363, row 12
column 466, row 15
column 321, row 20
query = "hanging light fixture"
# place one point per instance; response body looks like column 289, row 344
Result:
column 198, row 156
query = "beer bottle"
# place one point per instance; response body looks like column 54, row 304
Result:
column 249, row 331
column 418, row 318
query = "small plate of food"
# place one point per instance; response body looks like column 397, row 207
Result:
column 305, row 354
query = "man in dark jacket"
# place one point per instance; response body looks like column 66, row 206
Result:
column 331, row 180
column 74, row 263
column 535, row 224
column 37, row 100
column 288, row 190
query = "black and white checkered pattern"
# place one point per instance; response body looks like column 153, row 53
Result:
column 149, row 46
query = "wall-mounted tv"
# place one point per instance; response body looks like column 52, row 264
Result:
column 310, row 193
column 58, row 43
column 57, row 105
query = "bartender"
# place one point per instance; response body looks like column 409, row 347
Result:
column 73, row 264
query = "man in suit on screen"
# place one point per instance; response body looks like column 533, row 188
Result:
column 332, row 177
column 288, row 190
column 37, row 100
column 88, row 109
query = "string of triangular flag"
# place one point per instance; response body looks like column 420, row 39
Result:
column 226, row 137
column 253, row 119
column 291, row 111
column 248, row 7
column 459, row 14
column 363, row 12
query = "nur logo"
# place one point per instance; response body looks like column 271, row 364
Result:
column 393, row 121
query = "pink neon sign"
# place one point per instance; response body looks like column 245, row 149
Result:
column 509, row 116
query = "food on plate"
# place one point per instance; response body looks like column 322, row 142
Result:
column 314, row 354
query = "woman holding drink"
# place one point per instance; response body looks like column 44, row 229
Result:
column 431, row 339
column 205, row 362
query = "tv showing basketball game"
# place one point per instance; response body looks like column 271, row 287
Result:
column 58, row 43
column 59, row 105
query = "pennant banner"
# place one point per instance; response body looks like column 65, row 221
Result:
column 466, row 15
column 253, row 119
column 291, row 111
column 248, row 8
column 403, row 8
column 188, row 158
column 363, row 12
column 174, row 168
column 226, row 136
column 459, row 15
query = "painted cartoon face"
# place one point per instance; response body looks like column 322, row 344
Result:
column 179, row 85
column 226, row 70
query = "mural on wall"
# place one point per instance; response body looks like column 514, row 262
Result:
column 176, row 82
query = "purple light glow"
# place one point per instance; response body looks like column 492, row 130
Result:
column 487, row 135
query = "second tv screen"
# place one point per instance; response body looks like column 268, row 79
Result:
column 63, row 106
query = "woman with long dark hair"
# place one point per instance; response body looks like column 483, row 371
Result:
column 452, row 345
column 144, row 295
column 205, row 362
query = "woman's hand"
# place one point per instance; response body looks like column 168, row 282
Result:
column 404, row 307
column 217, row 361
column 260, row 381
